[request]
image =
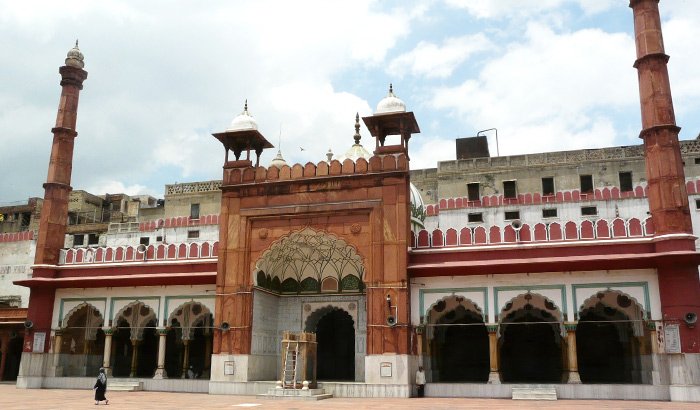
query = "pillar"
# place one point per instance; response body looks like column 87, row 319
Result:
column 160, row 371
column 572, row 354
column 134, row 356
column 57, row 344
column 185, row 358
column 107, row 356
column 494, row 375
column 653, row 337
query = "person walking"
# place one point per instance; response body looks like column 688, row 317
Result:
column 100, row 387
column 420, row 381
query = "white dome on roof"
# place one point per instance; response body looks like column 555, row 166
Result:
column 391, row 103
column 278, row 161
column 417, row 209
column 244, row 121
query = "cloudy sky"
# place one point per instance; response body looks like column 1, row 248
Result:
column 163, row 75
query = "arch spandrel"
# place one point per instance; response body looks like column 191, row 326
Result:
column 448, row 303
column 302, row 260
column 614, row 302
column 93, row 319
column 521, row 304
column 137, row 314
column 189, row 315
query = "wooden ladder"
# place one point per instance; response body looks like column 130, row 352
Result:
column 289, row 377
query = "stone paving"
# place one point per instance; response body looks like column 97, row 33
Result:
column 12, row 398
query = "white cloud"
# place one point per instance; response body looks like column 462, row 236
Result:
column 431, row 60
column 111, row 186
column 552, row 92
column 488, row 9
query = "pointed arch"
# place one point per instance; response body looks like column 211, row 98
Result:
column 138, row 315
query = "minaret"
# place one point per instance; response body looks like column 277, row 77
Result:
column 54, row 212
column 668, row 199
column 679, row 287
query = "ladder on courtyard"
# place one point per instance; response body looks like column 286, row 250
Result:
column 289, row 376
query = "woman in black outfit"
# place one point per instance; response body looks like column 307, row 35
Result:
column 101, row 387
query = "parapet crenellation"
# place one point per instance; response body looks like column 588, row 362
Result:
column 385, row 163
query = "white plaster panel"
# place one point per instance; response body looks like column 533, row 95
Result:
column 636, row 292
column 176, row 302
column 431, row 298
column 153, row 296
column 566, row 279
column 69, row 305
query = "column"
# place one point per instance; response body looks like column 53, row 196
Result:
column 107, row 355
column 653, row 338
column 571, row 353
column 57, row 342
column 494, row 376
column 185, row 358
column 134, row 356
column 160, row 371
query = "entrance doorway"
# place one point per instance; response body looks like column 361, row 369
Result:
column 458, row 342
column 609, row 337
column 530, row 345
column 335, row 354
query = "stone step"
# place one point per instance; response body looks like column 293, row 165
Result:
column 534, row 393
column 296, row 394
column 125, row 386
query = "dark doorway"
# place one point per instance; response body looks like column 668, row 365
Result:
column 607, row 348
column 121, row 350
column 530, row 351
column 460, row 347
column 335, row 336
column 148, row 351
column 14, row 355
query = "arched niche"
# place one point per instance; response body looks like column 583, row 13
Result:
column 302, row 261
column 530, row 345
column 457, row 343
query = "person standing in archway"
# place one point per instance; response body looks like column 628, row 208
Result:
column 420, row 381
column 100, row 387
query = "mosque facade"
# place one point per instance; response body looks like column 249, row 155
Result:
column 574, row 269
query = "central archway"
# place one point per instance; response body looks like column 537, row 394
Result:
column 530, row 345
column 458, row 342
column 610, row 337
column 335, row 351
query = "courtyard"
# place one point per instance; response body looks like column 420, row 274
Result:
column 12, row 398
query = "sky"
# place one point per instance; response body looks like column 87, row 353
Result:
column 163, row 76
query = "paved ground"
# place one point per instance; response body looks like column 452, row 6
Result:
column 12, row 398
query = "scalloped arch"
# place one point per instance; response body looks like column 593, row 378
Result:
column 634, row 312
column 315, row 316
column 518, row 302
column 310, row 253
column 190, row 323
column 469, row 305
column 137, row 323
column 67, row 316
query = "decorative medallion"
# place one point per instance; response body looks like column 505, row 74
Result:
column 528, row 296
column 262, row 233
column 307, row 308
column 623, row 301
column 459, row 299
column 355, row 229
column 351, row 306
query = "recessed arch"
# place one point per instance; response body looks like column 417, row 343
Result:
column 457, row 341
column 531, row 340
column 302, row 260
column 335, row 330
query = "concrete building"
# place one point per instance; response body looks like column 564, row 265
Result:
column 575, row 269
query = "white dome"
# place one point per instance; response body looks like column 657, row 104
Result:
column 355, row 152
column 417, row 209
column 243, row 122
column 390, row 104
column 278, row 161
column 75, row 57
